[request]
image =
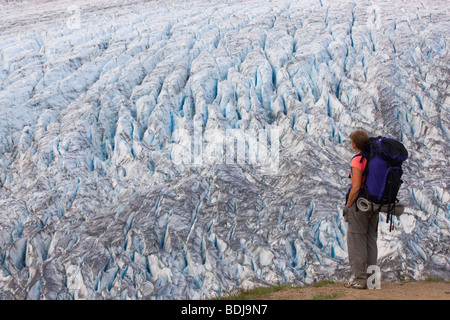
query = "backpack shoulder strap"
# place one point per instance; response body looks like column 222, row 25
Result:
column 363, row 156
column 360, row 154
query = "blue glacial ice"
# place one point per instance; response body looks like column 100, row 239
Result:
column 172, row 150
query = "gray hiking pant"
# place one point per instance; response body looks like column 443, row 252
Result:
column 362, row 235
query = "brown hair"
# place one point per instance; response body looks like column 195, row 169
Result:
column 360, row 138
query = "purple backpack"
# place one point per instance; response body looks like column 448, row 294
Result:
column 383, row 172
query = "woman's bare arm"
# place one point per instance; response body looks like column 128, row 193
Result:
column 356, row 185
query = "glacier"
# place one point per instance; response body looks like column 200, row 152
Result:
column 183, row 150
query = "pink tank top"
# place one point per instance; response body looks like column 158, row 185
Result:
column 356, row 163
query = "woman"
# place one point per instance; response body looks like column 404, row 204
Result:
column 362, row 226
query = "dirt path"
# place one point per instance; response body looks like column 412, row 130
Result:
column 420, row 290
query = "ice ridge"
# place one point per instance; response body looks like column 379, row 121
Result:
column 172, row 150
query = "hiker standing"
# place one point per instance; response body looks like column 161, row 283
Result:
column 362, row 226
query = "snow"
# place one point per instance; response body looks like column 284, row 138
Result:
column 164, row 150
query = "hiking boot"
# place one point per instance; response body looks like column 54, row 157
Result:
column 354, row 285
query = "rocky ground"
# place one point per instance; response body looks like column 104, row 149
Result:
column 414, row 290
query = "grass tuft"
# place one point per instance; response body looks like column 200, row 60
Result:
column 256, row 293
column 322, row 283
column 328, row 296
